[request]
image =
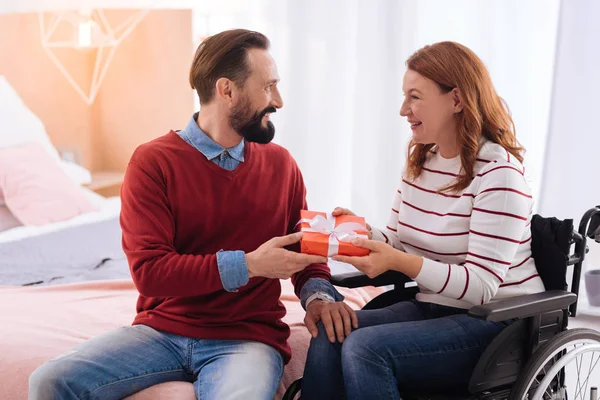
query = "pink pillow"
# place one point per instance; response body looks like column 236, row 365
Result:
column 7, row 219
column 36, row 189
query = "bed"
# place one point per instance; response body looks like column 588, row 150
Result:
column 45, row 236
column 84, row 248
column 40, row 323
column 66, row 280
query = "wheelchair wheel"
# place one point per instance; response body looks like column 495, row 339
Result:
column 293, row 390
column 564, row 368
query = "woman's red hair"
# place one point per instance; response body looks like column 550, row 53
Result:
column 451, row 65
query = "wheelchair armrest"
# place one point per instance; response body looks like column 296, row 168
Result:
column 358, row 279
column 524, row 306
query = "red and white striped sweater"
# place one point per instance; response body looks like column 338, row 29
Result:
column 476, row 244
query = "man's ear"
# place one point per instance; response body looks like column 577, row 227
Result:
column 458, row 100
column 224, row 89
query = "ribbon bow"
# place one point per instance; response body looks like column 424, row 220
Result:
column 344, row 232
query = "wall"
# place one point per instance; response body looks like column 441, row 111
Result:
column 145, row 92
column 42, row 86
column 570, row 185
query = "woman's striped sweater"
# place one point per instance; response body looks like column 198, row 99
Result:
column 476, row 244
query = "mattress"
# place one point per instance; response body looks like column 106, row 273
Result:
column 84, row 248
column 39, row 323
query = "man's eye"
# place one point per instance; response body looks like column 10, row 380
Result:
column 414, row 97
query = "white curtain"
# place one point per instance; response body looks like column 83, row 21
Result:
column 571, row 183
column 342, row 62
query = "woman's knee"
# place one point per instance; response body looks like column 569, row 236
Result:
column 359, row 345
column 321, row 344
column 322, row 338
column 322, row 354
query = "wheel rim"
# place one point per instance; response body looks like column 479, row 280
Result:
column 574, row 358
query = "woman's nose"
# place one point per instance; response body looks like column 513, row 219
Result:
column 404, row 110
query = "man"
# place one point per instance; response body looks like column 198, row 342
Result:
column 207, row 214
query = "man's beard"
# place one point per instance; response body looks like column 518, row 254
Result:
column 249, row 125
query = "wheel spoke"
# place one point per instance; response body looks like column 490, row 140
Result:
column 590, row 373
column 553, row 376
column 579, row 386
column 588, row 377
column 560, row 379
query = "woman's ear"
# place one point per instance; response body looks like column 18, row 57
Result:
column 458, row 100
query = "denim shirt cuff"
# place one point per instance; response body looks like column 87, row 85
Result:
column 232, row 269
column 315, row 285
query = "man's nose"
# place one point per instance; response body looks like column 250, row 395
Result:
column 277, row 101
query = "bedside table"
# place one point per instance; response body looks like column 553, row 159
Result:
column 106, row 183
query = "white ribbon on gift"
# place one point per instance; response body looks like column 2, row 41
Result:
column 344, row 232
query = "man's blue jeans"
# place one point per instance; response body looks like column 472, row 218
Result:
column 409, row 345
column 129, row 359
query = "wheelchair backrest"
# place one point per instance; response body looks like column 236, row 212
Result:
column 551, row 241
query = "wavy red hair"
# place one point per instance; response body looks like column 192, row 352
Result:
column 451, row 65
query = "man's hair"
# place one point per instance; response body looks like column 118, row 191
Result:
column 224, row 55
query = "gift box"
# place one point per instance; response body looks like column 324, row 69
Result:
column 326, row 235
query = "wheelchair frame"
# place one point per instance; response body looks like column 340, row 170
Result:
column 542, row 321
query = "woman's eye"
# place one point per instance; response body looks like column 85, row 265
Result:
column 414, row 97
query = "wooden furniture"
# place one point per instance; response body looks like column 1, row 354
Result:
column 106, row 183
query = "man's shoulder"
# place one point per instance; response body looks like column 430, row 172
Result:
column 158, row 149
column 274, row 152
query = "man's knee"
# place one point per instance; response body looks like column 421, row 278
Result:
column 256, row 373
column 265, row 362
column 52, row 380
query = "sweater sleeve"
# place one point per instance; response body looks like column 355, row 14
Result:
column 501, row 209
column 389, row 234
column 148, row 226
column 300, row 278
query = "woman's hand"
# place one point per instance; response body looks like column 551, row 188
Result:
column 382, row 258
column 344, row 211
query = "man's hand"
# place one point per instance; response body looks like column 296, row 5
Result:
column 344, row 211
column 338, row 319
column 271, row 260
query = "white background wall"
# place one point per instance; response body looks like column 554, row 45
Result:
column 342, row 62
column 571, row 182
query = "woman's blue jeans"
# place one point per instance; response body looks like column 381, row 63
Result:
column 409, row 345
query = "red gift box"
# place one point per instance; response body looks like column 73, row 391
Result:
column 326, row 235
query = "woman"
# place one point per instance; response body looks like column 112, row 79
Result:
column 459, row 226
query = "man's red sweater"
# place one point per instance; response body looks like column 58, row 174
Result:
column 179, row 209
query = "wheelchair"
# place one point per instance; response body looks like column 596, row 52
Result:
column 533, row 357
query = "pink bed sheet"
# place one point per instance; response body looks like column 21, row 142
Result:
column 39, row 323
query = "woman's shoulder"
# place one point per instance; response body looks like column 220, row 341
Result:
column 496, row 169
column 492, row 155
